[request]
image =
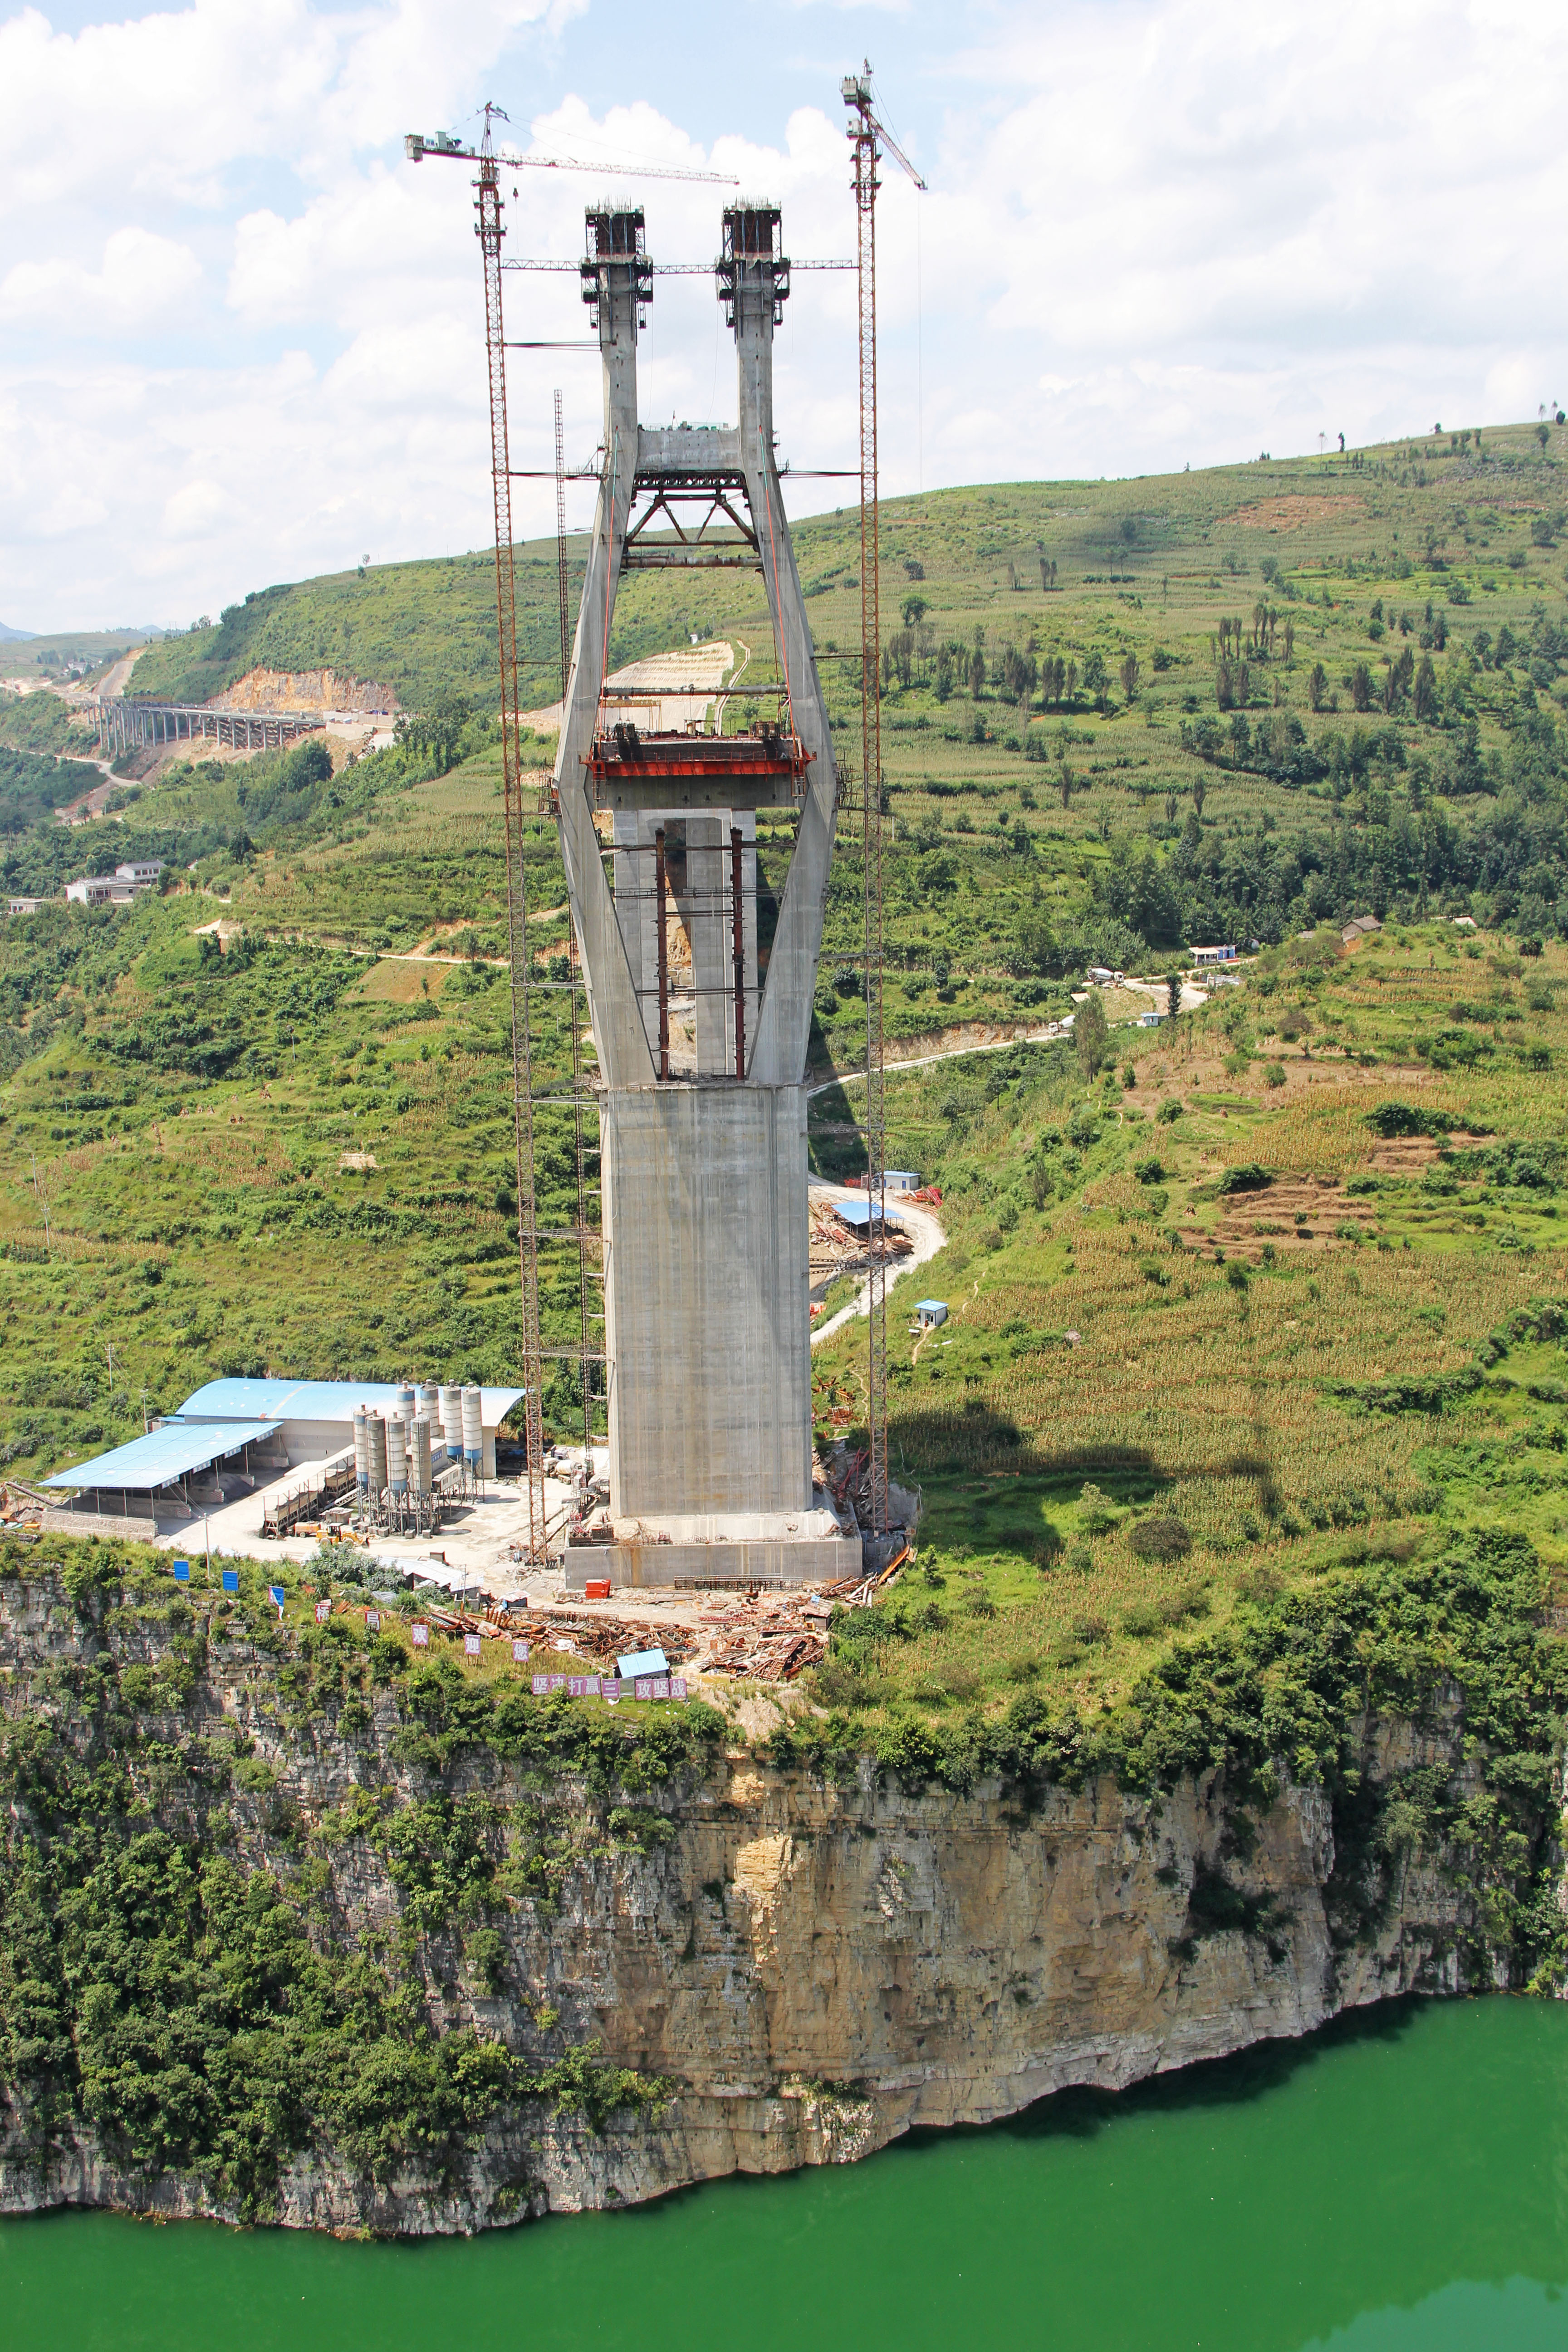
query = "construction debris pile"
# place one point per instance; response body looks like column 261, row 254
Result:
column 837, row 1247
column 774, row 1637
column 22, row 1507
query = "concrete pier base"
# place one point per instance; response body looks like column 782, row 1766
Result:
column 780, row 1563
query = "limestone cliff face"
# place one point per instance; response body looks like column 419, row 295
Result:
column 311, row 689
column 814, row 1967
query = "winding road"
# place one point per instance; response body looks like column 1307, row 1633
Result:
column 923, row 1229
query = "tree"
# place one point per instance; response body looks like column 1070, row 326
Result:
column 1065, row 782
column 1095, row 678
column 1426, row 692
column 1130, row 675
column 914, row 610
column 1360, row 687
column 977, row 673
column 1317, row 688
column 1199, row 792
column 1090, row 1033
column 1034, row 951
column 1172, row 994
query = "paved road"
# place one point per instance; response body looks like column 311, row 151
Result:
column 948, row 1054
column 923, row 1229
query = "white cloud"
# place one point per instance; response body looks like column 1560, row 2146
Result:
column 197, row 510
column 1296, row 219
column 1158, row 231
column 142, row 285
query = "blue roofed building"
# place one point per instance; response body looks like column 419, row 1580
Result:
column 228, row 1439
column 861, row 1216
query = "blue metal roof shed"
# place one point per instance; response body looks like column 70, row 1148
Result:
column 242, row 1400
column 165, row 1456
column 861, row 1216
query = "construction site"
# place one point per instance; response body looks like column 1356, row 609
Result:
column 698, row 1245
column 699, row 1252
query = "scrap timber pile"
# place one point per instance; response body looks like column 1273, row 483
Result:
column 774, row 1637
column 766, row 1641
column 606, row 1639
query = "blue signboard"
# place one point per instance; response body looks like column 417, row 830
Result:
column 231, row 1579
column 275, row 1593
column 181, row 1571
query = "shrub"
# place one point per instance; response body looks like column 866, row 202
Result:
column 1095, row 1510
column 1163, row 1536
column 1392, row 1118
column 1249, row 1178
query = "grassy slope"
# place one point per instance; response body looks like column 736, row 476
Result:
column 1214, row 1329
column 188, row 1114
column 1025, row 830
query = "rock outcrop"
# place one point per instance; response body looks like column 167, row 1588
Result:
column 325, row 690
column 809, row 1966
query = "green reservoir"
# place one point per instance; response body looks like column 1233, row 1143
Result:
column 1398, row 2184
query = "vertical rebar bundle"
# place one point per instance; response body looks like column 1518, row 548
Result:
column 863, row 140
column 489, row 232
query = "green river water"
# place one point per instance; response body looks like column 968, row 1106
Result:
column 1398, row 2184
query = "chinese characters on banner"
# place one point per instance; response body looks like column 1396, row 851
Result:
column 646, row 1687
column 421, row 1633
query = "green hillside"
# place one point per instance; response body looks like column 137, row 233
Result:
column 1163, row 742
column 62, row 652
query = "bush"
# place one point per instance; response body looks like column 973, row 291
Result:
column 1249, row 1178
column 1392, row 1118
column 1162, row 1538
column 1095, row 1510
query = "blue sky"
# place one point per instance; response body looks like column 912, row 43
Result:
column 240, row 336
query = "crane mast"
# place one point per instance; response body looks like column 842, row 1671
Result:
column 491, row 233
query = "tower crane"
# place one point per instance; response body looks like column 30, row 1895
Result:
column 492, row 161
column 868, row 135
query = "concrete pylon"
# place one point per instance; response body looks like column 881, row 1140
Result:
column 701, row 1038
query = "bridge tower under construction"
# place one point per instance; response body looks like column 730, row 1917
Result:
column 701, row 1025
